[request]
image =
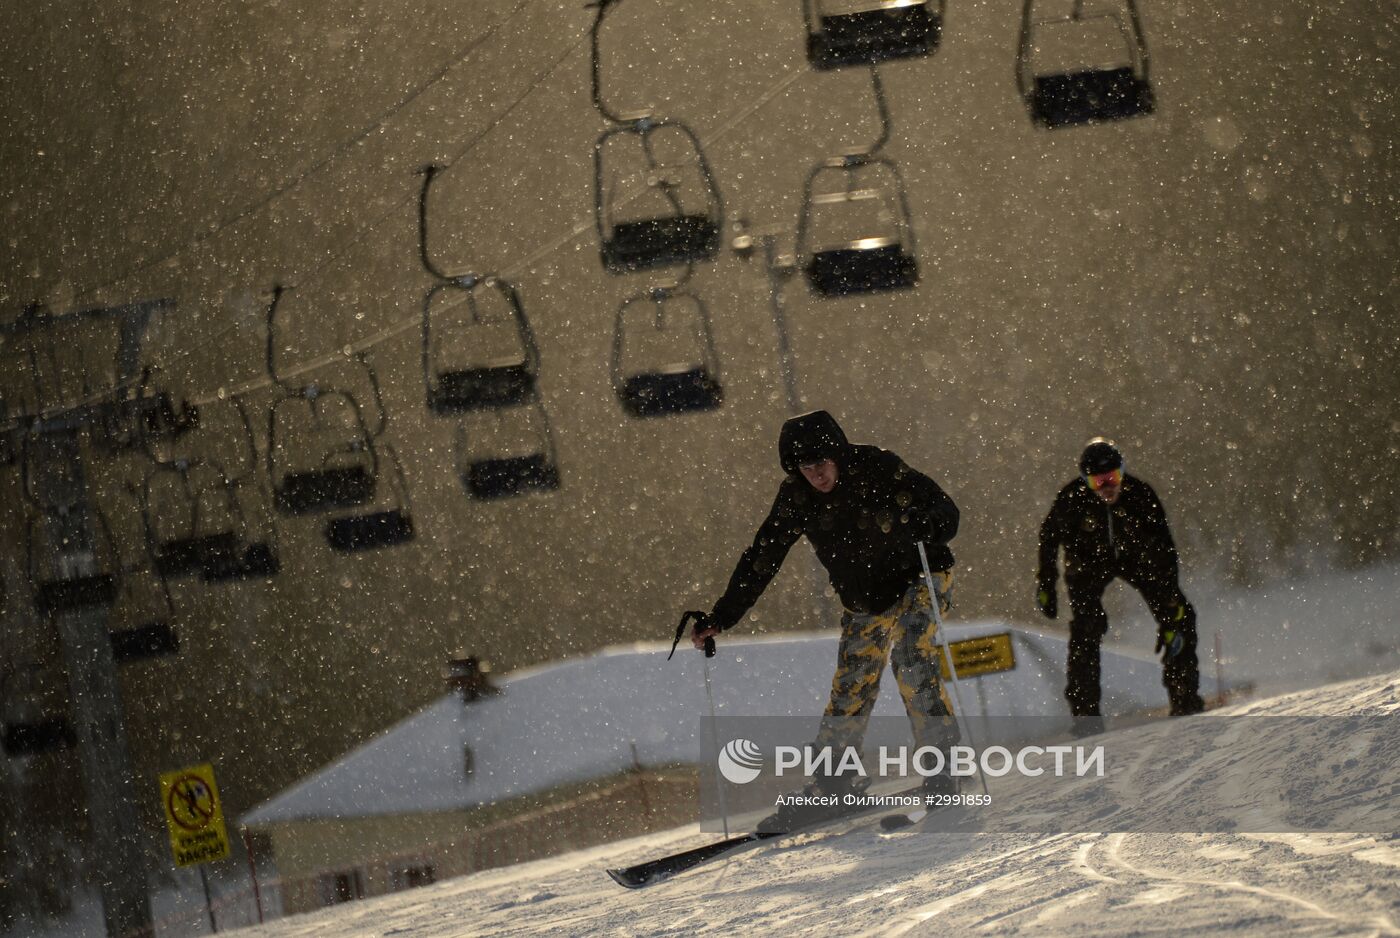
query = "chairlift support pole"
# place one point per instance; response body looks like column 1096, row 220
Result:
column 85, row 643
column 94, row 694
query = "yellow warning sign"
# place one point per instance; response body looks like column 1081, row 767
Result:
column 985, row 654
column 194, row 815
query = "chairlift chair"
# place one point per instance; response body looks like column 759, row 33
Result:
column 865, row 32
column 27, row 724
column 196, row 523
column 343, row 470
column 192, row 518
column 505, row 452
column 256, row 555
column 663, row 206
column 136, row 419
column 663, row 357
column 32, row 738
column 857, row 237
column 478, row 348
column 320, row 454
column 154, row 633
column 85, row 563
column 382, row 527
column 1084, row 67
column 82, row 577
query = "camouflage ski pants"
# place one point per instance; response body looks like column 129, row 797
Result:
column 906, row 636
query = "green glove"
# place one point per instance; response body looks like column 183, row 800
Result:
column 1047, row 601
column 1170, row 638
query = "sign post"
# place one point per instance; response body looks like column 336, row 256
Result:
column 195, row 817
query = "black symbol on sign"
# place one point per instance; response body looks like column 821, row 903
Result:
column 191, row 802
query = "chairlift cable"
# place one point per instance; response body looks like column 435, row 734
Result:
column 512, row 267
column 580, row 227
column 340, row 253
column 288, row 185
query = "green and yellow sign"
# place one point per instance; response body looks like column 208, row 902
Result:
column 194, row 814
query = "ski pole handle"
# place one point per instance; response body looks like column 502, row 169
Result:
column 699, row 618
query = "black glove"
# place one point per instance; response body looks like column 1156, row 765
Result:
column 1046, row 599
column 701, row 623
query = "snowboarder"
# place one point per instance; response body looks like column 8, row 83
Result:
column 864, row 511
column 1111, row 526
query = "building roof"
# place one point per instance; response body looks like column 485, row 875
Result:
column 598, row 715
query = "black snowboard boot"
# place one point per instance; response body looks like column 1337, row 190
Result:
column 940, row 785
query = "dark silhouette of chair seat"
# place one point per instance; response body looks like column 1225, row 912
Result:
column 844, row 271
column 1082, row 97
column 32, row 739
column 511, row 475
column 671, row 391
column 653, row 242
column 189, row 555
column 866, row 37
column 366, row 532
column 325, row 489
column 257, row 560
column 476, row 388
column 152, row 640
column 64, row 595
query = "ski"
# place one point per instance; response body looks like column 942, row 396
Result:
column 663, row 868
column 902, row 819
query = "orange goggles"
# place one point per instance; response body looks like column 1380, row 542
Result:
column 1101, row 479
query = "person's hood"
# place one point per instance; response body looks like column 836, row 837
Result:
column 810, row 438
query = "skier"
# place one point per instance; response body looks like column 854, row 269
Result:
column 864, row 511
column 1112, row 526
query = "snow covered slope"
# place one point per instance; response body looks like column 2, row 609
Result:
column 858, row 883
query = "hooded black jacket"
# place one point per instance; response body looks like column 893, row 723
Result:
column 864, row 532
column 1131, row 535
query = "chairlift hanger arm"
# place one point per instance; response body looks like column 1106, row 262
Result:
column 1140, row 38
column 247, row 419
column 378, row 394
column 601, row 7
column 428, row 173
column 27, row 483
column 1024, row 79
column 882, row 106
column 277, row 291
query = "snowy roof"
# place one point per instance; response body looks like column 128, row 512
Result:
column 580, row 719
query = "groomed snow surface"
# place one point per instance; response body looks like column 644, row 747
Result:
column 857, row 882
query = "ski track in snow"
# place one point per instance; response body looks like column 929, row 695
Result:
column 854, row 881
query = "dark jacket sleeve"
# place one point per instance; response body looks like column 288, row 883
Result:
column 1051, row 535
column 1157, row 533
column 760, row 563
